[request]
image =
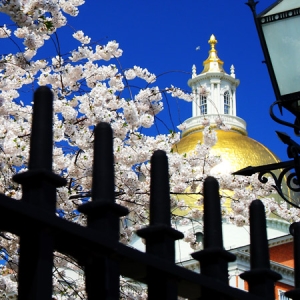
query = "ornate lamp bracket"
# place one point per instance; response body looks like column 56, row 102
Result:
column 296, row 124
column 290, row 178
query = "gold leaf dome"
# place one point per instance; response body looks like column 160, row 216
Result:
column 236, row 150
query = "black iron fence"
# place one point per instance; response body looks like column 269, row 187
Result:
column 99, row 251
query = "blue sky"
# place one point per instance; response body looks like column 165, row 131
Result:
column 162, row 35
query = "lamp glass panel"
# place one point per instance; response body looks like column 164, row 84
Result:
column 283, row 5
column 283, row 42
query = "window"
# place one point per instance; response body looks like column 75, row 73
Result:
column 203, row 105
column 199, row 237
column 226, row 103
column 282, row 296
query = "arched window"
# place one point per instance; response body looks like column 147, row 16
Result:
column 226, row 103
column 203, row 105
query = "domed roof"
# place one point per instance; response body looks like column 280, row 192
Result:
column 236, row 150
column 214, row 103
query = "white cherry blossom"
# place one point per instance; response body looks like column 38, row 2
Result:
column 89, row 86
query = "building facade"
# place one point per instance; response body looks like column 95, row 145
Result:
column 215, row 98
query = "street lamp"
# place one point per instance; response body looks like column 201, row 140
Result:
column 278, row 29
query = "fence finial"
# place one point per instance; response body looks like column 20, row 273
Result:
column 260, row 278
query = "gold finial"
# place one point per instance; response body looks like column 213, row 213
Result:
column 213, row 62
column 212, row 41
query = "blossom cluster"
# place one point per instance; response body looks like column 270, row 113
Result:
column 89, row 88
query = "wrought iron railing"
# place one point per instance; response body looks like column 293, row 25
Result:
column 96, row 247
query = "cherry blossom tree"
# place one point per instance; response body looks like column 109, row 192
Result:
column 89, row 86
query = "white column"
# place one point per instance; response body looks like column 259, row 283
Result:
column 212, row 98
column 233, row 101
column 219, row 102
column 195, row 103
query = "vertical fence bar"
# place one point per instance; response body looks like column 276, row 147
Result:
column 102, row 274
column 213, row 258
column 261, row 279
column 39, row 189
column 160, row 236
column 295, row 231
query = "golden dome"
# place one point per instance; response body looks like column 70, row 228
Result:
column 236, row 150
